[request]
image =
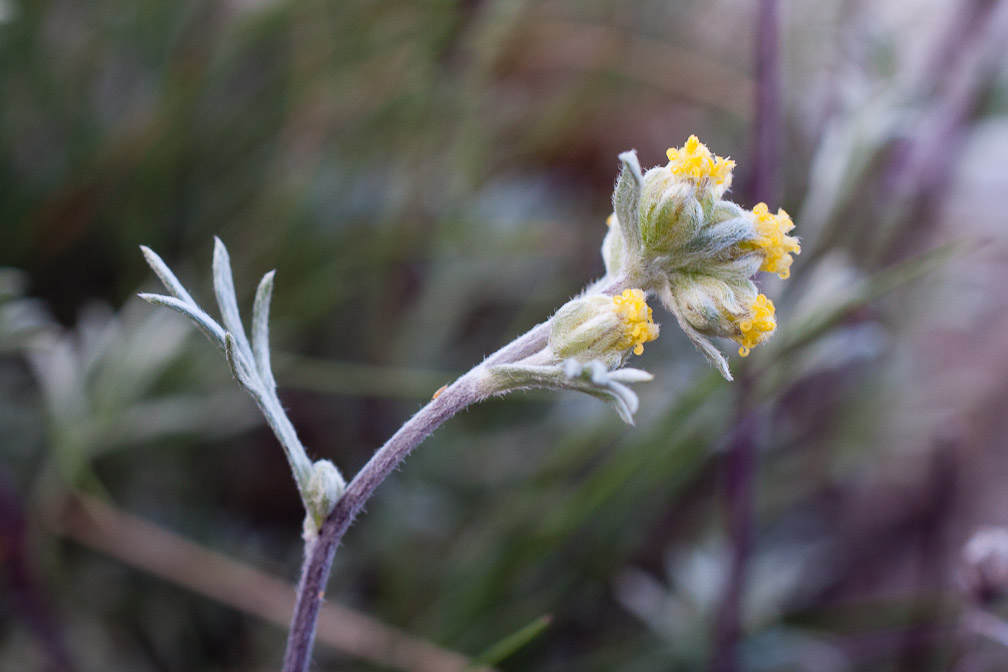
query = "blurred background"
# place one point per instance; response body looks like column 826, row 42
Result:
column 430, row 180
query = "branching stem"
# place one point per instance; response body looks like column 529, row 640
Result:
column 322, row 487
column 320, row 550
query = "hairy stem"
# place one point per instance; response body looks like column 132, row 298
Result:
column 320, row 550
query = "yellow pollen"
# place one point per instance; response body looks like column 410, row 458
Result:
column 773, row 242
column 757, row 326
column 695, row 162
column 638, row 325
column 610, row 219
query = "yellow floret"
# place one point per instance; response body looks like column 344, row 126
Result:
column 773, row 242
column 695, row 162
column 638, row 326
column 757, row 326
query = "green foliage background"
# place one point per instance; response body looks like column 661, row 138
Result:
column 429, row 180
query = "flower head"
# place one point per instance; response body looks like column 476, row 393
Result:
column 678, row 237
column 772, row 240
column 604, row 328
column 757, row 325
column 638, row 325
column 694, row 162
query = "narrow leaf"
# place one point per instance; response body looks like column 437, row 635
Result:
column 630, row 375
column 709, row 350
column 702, row 343
column 626, row 395
column 622, row 410
column 203, row 322
column 239, row 366
column 617, row 403
column 226, row 299
column 260, row 330
column 625, row 402
column 165, row 274
column 626, row 201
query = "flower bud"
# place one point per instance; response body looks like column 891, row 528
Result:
column 604, row 328
column 324, row 489
column 722, row 211
column 677, row 200
column 670, row 214
column 735, row 310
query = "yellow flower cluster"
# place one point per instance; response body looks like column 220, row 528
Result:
column 675, row 234
column 638, row 326
column 694, row 161
column 773, row 242
column 757, row 326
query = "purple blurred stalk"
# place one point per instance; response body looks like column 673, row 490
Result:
column 767, row 122
column 740, row 491
column 741, row 463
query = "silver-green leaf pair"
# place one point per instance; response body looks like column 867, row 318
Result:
column 319, row 483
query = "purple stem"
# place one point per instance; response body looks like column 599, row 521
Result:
column 740, row 493
column 16, row 571
column 319, row 552
column 741, row 463
column 767, row 122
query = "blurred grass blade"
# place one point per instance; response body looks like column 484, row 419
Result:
column 235, row 583
column 511, row 644
column 879, row 285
